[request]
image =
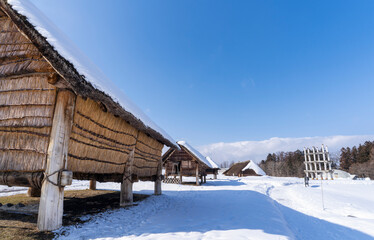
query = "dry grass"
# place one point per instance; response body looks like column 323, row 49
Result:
column 77, row 203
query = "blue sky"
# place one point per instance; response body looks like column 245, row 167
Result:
column 226, row 71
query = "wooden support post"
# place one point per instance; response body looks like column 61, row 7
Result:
column 92, row 184
column 197, row 174
column 204, row 178
column 180, row 174
column 315, row 163
column 215, row 175
column 312, row 173
column 126, row 198
column 166, row 169
column 52, row 196
column 33, row 192
column 158, row 179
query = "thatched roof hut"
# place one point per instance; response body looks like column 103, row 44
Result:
column 186, row 162
column 243, row 169
column 60, row 115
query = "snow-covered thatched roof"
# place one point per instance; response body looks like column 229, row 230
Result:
column 254, row 167
column 241, row 167
column 77, row 71
column 196, row 154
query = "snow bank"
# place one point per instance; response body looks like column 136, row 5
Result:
column 80, row 61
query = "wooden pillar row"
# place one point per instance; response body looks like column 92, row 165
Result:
column 52, row 196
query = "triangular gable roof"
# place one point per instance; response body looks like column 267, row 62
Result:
column 78, row 72
column 242, row 166
column 195, row 153
column 254, row 167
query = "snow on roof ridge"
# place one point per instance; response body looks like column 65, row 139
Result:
column 196, row 153
column 81, row 62
column 252, row 165
column 213, row 163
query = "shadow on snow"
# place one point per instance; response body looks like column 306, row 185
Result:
column 221, row 210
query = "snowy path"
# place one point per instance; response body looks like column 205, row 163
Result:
column 190, row 212
column 233, row 208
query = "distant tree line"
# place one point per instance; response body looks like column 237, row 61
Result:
column 358, row 160
column 226, row 164
column 284, row 164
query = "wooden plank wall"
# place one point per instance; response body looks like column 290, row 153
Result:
column 188, row 163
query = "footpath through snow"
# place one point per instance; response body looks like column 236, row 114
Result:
column 237, row 208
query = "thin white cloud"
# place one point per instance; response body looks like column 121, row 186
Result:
column 258, row 150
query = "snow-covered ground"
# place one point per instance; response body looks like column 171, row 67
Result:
column 236, row 208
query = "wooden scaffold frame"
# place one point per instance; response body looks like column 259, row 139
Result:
column 318, row 163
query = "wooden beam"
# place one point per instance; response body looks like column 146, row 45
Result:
column 158, row 179
column 52, row 194
column 126, row 197
column 110, row 177
column 22, row 179
column 56, row 80
column 92, row 184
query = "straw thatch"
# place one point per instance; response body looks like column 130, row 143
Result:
column 103, row 133
column 237, row 170
column 71, row 78
column 26, row 101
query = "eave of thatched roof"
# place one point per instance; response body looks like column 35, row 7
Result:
column 167, row 154
column 73, row 72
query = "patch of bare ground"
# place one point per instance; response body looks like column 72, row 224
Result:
column 18, row 213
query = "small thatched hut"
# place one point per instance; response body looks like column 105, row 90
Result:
column 243, row 169
column 61, row 118
column 186, row 162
